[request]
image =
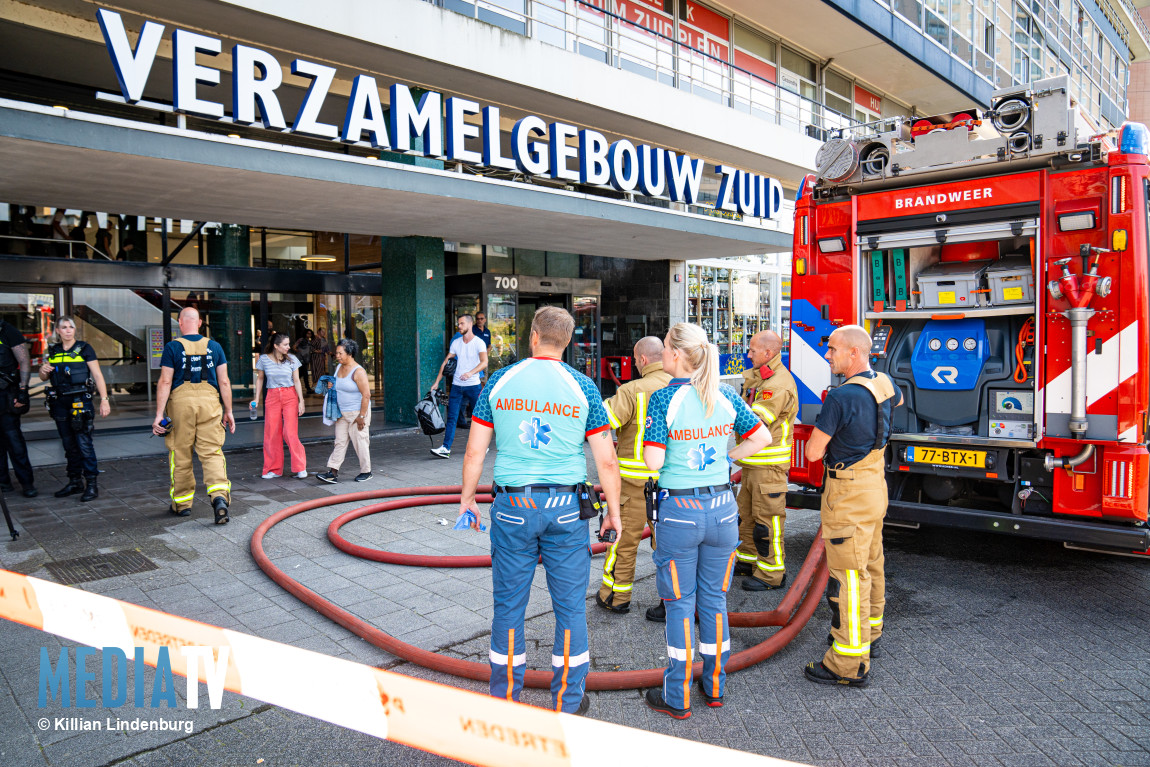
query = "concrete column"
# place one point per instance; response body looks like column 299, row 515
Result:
column 678, row 292
column 229, row 319
column 414, row 301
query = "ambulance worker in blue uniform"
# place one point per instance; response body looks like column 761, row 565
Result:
column 540, row 411
column 689, row 427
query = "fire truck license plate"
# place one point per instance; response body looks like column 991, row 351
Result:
column 974, row 459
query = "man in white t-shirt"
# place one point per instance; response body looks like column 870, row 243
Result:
column 470, row 354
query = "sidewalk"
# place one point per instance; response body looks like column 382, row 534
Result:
column 997, row 652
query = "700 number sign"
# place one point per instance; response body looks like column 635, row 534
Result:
column 507, row 283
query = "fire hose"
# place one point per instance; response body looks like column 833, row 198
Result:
column 792, row 614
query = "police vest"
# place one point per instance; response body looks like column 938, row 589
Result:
column 70, row 372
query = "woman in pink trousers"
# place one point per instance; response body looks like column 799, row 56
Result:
column 283, row 405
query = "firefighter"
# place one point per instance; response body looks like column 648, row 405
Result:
column 850, row 436
column 195, row 389
column 71, row 368
column 540, row 411
column 627, row 412
column 689, row 426
column 771, row 392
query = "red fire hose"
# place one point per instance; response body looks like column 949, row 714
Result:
column 803, row 594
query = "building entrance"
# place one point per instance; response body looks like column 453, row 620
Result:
column 510, row 302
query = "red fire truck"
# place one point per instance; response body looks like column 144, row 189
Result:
column 999, row 260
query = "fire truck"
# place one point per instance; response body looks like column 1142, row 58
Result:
column 999, row 259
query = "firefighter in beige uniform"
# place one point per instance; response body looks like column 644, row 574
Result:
column 771, row 392
column 627, row 414
column 851, row 431
column 195, row 390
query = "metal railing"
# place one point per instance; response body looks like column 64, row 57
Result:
column 57, row 248
column 1132, row 12
column 605, row 36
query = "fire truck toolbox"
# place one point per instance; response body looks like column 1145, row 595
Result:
column 952, row 285
column 1011, row 281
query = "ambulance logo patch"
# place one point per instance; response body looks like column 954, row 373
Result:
column 699, row 458
column 535, row 433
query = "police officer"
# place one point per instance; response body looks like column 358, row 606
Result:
column 540, row 411
column 15, row 369
column 850, row 437
column 627, row 412
column 195, row 389
column 771, row 392
column 73, row 372
column 690, row 424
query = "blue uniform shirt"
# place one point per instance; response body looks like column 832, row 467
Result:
column 542, row 410
column 848, row 416
column 696, row 445
column 199, row 370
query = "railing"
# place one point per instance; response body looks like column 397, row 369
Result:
column 1136, row 17
column 57, row 247
column 602, row 35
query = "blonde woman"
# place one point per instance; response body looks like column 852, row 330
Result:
column 689, row 427
column 283, row 405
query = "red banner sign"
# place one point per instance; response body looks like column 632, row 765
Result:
column 958, row 195
column 868, row 100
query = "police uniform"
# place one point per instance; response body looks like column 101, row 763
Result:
column 71, row 406
column 771, row 392
column 10, row 433
column 541, row 410
column 697, row 529
column 197, row 419
column 854, row 503
column 627, row 413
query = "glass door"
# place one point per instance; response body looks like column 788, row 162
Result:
column 585, row 340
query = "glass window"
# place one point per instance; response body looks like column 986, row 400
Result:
column 501, row 317
column 462, row 258
column 532, row 262
column 32, row 313
column 498, row 260
column 562, row 264
column 584, row 340
column 911, row 10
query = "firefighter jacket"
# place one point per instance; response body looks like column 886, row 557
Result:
column 775, row 400
column 627, row 413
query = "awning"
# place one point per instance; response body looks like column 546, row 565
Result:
column 57, row 157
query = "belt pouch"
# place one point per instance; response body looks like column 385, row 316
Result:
column 588, row 502
column 651, row 496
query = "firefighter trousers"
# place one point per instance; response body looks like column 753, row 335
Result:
column 853, row 506
column 694, row 559
column 197, row 425
column 525, row 526
column 763, row 513
column 619, row 567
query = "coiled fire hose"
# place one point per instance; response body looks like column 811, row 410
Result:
column 796, row 608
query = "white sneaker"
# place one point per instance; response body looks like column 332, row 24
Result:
column 301, row 474
column 270, row 475
column 442, row 452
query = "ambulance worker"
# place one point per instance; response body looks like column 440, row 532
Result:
column 850, row 437
column 540, row 411
column 697, row 530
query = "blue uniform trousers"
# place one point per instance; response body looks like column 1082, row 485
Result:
column 525, row 526
column 697, row 535
column 79, row 448
column 454, row 403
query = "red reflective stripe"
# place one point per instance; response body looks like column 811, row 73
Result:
column 744, row 436
column 648, row 443
column 604, row 427
column 481, row 422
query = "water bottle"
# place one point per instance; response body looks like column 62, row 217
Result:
column 252, row 410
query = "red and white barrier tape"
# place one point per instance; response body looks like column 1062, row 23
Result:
column 444, row 720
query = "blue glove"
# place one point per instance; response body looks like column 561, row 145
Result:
column 466, row 520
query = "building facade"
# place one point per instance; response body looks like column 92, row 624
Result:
column 372, row 168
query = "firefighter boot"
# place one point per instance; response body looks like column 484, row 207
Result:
column 91, row 492
column 820, row 674
column 74, row 486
